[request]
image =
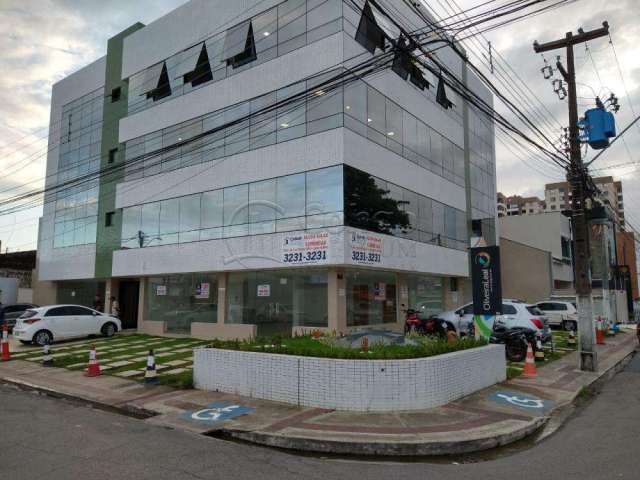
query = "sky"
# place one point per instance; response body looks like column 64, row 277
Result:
column 45, row 40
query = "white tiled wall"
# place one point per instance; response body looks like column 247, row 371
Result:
column 357, row 385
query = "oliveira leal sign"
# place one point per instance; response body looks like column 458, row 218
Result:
column 487, row 288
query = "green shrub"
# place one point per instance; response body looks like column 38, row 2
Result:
column 327, row 347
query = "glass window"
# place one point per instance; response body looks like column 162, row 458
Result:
column 180, row 300
column 169, row 218
column 323, row 18
column 263, row 121
column 376, row 117
column 425, row 294
column 235, row 205
column 393, row 129
column 324, row 191
column 265, row 30
column 450, row 222
column 276, row 301
column 291, row 117
column 237, row 135
column 410, row 134
column 438, row 222
column 151, row 223
column 324, row 108
column 355, row 106
column 371, row 298
column 190, row 218
column 292, row 25
column 211, row 215
column 262, row 206
column 130, row 226
column 290, row 196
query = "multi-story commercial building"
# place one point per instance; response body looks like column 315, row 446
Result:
column 256, row 178
column 517, row 205
column 558, row 196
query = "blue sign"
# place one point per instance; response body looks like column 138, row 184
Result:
column 521, row 400
column 217, row 412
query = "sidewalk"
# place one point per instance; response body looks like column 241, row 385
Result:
column 492, row 417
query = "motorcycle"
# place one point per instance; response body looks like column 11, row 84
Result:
column 431, row 326
column 516, row 341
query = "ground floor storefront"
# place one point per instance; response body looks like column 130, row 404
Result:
column 267, row 302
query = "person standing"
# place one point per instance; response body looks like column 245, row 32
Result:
column 97, row 303
column 115, row 307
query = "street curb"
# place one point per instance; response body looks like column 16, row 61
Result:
column 563, row 412
column 389, row 449
column 126, row 409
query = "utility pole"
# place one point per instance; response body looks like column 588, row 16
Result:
column 577, row 179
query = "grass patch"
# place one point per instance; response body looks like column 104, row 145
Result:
column 513, row 372
column 328, row 347
column 586, row 394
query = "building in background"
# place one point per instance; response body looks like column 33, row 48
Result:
column 558, row 197
column 517, row 205
column 247, row 190
column 548, row 232
column 16, row 276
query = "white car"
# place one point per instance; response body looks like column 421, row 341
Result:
column 514, row 314
column 45, row 325
column 560, row 314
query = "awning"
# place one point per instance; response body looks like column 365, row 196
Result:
column 236, row 40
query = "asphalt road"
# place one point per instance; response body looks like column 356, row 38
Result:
column 48, row 438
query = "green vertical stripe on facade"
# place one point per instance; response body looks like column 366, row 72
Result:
column 108, row 238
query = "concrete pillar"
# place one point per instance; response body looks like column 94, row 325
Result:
column 222, row 297
column 336, row 301
column 112, row 287
column 402, row 288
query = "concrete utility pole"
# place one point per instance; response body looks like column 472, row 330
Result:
column 577, row 177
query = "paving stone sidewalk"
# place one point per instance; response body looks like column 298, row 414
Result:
column 492, row 417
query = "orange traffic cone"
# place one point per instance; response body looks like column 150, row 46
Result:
column 94, row 367
column 6, row 354
column 529, row 364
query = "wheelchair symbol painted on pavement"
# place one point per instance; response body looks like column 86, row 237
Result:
column 217, row 412
column 520, row 400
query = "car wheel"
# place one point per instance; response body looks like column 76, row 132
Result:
column 42, row 337
column 568, row 325
column 109, row 330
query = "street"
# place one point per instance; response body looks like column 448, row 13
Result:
column 45, row 437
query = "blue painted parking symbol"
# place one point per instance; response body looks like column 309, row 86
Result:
column 521, row 400
column 217, row 412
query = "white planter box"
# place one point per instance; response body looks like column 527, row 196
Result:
column 356, row 385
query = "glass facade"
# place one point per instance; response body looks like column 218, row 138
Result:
column 356, row 106
column 371, row 297
column 425, row 294
column 379, row 206
column 327, row 197
column 294, row 202
column 276, row 301
column 482, row 170
column 180, row 300
column 273, row 33
column 76, row 210
column 80, row 293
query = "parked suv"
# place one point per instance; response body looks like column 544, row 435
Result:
column 560, row 314
column 514, row 314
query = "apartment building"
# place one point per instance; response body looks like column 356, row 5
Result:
column 558, row 196
column 517, row 205
column 254, row 179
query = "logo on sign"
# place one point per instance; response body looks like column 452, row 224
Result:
column 483, row 259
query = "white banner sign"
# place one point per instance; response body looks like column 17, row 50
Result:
column 264, row 290
column 366, row 248
column 306, row 248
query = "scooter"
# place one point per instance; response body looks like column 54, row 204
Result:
column 516, row 341
column 431, row 326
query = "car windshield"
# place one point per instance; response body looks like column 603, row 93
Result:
column 534, row 310
column 28, row 314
